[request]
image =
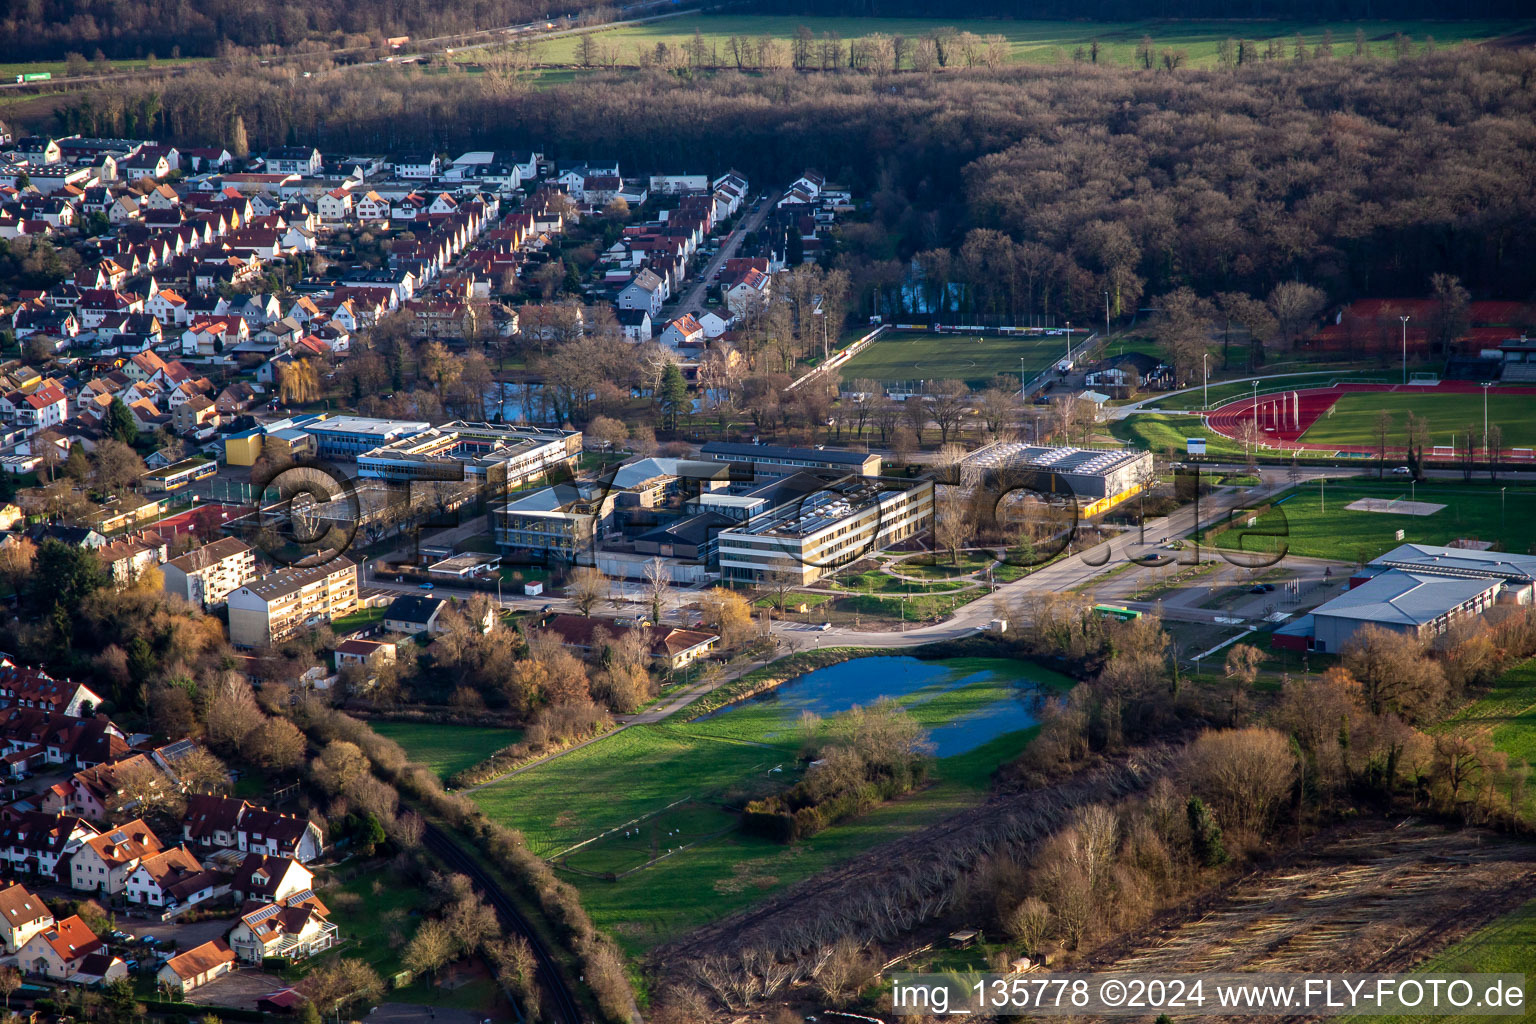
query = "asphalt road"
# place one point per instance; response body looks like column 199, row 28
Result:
column 693, row 298
column 1073, row 571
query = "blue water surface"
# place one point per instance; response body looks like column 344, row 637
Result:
column 862, row 681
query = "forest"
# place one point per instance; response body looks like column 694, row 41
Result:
column 1356, row 177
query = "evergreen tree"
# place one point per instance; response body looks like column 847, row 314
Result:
column 120, row 424
column 674, row 394
column 1205, row 834
column 239, row 145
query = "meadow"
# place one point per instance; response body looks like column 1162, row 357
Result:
column 1506, row 946
column 1165, row 434
column 1312, row 520
column 746, row 749
column 447, row 749
column 1352, row 420
column 1508, row 711
column 1040, row 42
column 975, row 359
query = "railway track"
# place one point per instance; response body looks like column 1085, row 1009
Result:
column 565, row 1009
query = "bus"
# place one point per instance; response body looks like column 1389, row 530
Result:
column 1112, row 611
column 182, row 474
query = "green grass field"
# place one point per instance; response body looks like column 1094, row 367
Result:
column 447, row 749
column 1306, row 527
column 1508, row 711
column 906, row 356
column 654, row 837
column 643, row 769
column 57, row 68
column 1226, row 392
column 1352, row 420
column 1165, row 433
column 1507, row 946
column 1034, row 42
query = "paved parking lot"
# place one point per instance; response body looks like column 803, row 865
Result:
column 237, row 988
column 185, row 936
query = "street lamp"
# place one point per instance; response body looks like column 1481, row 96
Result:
column 1205, row 364
column 1069, row 341
column 1485, row 385
column 1106, row 315
column 1404, row 319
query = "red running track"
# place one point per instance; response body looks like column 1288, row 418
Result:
column 1286, row 415
column 183, row 522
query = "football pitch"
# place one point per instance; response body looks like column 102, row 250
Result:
column 1352, row 420
column 975, row 359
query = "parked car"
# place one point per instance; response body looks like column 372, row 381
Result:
column 824, row 627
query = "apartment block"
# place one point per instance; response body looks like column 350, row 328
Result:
column 272, row 609
column 207, row 575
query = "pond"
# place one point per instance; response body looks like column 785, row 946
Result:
column 962, row 702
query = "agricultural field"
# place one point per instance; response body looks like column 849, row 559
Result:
column 1352, row 419
column 1034, row 42
column 1313, row 520
column 447, row 749
column 908, row 356
column 664, row 784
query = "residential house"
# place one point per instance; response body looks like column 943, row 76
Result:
column 95, row 792
column 195, row 968
column 685, row 330
column 104, row 861
column 636, row 324
column 264, row 879
column 35, row 842
column 412, row 614
column 215, row 822
column 644, row 291
column 34, row 688
column 715, row 322
column 23, row 914
column 357, row 651
column 672, row 648
column 59, row 951
column 174, row 881
column 336, row 206
column 417, row 165
column 748, row 292
column 372, row 208
column 302, row 160
column 294, row 928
